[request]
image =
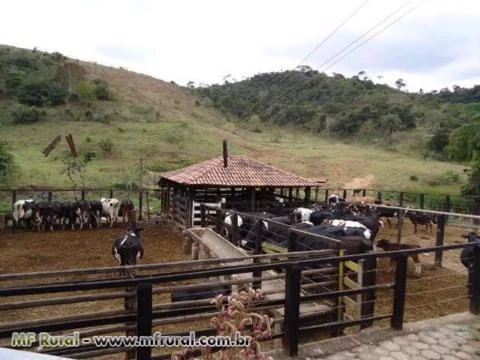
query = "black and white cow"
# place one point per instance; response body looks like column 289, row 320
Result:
column 466, row 256
column 46, row 214
column 96, row 210
column 128, row 249
column 24, row 212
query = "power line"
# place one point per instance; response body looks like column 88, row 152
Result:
column 333, row 32
column 353, row 42
column 320, row 45
column 377, row 33
column 367, row 32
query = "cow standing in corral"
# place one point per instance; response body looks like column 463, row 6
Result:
column 127, row 211
column 110, row 209
column 390, row 246
column 96, row 211
column 128, row 249
column 24, row 213
column 421, row 218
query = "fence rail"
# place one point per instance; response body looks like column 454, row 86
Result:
column 146, row 314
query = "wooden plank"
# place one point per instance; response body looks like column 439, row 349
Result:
column 351, row 265
column 350, row 283
column 270, row 248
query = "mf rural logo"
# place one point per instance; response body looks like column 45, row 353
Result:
column 44, row 339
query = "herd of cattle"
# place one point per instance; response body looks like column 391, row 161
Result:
column 355, row 226
column 76, row 214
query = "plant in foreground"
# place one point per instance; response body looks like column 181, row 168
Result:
column 233, row 319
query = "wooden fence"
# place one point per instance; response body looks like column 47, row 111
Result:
column 150, row 315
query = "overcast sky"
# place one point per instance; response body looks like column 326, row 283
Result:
column 434, row 46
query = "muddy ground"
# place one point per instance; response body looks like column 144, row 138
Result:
column 437, row 292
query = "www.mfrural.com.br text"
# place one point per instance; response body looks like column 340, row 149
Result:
column 46, row 340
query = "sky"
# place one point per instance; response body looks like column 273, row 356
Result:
column 434, row 44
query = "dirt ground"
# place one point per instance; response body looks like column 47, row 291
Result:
column 437, row 292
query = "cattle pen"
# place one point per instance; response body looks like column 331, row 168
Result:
column 79, row 288
column 154, row 279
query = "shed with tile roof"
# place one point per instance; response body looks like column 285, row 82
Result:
column 236, row 182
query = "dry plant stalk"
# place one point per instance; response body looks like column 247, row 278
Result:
column 233, row 319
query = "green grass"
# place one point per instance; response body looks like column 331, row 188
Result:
column 159, row 122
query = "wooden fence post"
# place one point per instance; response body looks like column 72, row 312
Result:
column 140, row 204
column 400, row 226
column 326, row 195
column 400, row 200
column 258, row 250
column 203, row 222
column 440, row 239
column 292, row 310
column 379, row 196
column 144, row 318
column 291, row 241
column 422, row 201
column 235, row 229
column 49, row 196
column 130, row 306
column 399, row 292
column 364, row 192
column 218, row 222
column 345, row 194
column 474, row 281
column 82, row 194
column 111, row 193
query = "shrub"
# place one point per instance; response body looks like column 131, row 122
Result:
column 106, row 146
column 452, row 177
column 27, row 115
column 42, row 93
column 102, row 91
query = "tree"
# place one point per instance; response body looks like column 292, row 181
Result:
column 73, row 168
column 399, row 84
column 6, row 163
column 472, row 187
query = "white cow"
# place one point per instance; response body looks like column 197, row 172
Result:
column 110, row 209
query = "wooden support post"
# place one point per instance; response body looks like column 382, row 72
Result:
column 144, row 318
column 421, row 201
column 140, row 204
column 14, row 197
column 400, row 200
column 292, row 310
column 203, row 220
column 399, row 292
column 345, row 194
column 379, row 196
column 474, row 281
column 258, row 250
column 290, row 196
column 147, row 198
column 82, row 194
column 130, row 306
column 364, row 192
column 306, row 199
column 326, row 195
column 218, row 223
column 440, row 239
column 316, row 194
column 235, row 229
column 49, row 196
column 252, row 199
column 111, row 193
column 400, row 226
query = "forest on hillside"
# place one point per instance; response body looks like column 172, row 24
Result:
column 447, row 123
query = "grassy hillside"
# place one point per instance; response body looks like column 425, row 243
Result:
column 142, row 117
